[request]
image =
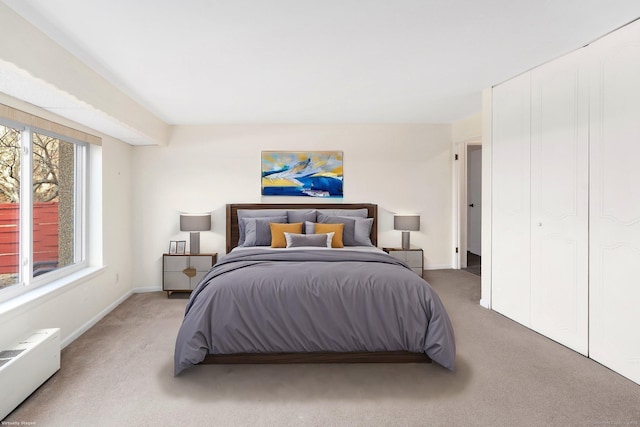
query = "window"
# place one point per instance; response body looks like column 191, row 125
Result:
column 43, row 182
column 10, row 172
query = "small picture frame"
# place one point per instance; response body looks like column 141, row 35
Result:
column 173, row 247
column 181, row 247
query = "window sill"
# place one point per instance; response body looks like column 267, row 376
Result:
column 44, row 293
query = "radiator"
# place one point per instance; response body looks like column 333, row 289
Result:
column 26, row 365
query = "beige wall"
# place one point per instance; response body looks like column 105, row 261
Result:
column 467, row 128
column 402, row 168
column 76, row 307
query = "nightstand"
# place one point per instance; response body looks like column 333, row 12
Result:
column 412, row 257
column 182, row 273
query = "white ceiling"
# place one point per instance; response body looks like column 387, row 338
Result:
column 321, row 61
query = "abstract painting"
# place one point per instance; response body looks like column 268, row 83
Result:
column 302, row 173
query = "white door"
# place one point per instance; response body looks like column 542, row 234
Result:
column 474, row 199
column 510, row 193
column 559, row 201
column 614, row 337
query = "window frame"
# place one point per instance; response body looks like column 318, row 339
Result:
column 26, row 281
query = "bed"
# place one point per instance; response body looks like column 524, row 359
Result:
column 324, row 294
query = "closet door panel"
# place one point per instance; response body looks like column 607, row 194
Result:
column 559, row 201
column 511, row 198
column 614, row 304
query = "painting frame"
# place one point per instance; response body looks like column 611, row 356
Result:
column 316, row 174
column 181, row 247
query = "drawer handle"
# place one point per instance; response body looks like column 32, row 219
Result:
column 189, row 272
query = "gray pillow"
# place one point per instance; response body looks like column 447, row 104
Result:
column 362, row 232
column 357, row 231
column 309, row 227
column 360, row 213
column 302, row 215
column 258, row 231
column 317, row 240
column 255, row 213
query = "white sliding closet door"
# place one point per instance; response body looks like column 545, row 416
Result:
column 559, row 201
column 614, row 301
column 510, row 278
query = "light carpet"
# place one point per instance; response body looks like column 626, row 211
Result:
column 120, row 373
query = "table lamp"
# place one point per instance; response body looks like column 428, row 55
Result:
column 195, row 223
column 406, row 223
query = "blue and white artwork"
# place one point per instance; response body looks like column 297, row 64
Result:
column 311, row 174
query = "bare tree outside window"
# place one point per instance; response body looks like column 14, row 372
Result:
column 9, row 165
column 53, row 203
column 46, row 157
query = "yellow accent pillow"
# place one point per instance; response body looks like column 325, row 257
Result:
column 338, row 229
column 277, row 233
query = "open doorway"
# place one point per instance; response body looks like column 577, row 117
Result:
column 474, row 208
column 469, row 203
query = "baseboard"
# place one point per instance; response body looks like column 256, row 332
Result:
column 485, row 304
column 438, row 267
column 84, row 328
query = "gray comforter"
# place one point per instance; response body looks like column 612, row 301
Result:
column 312, row 300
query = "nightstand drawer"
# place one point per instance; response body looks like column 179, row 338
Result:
column 200, row 263
column 414, row 259
column 175, row 263
column 176, row 281
column 184, row 272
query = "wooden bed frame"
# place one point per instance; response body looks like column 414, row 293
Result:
column 233, row 232
column 233, row 235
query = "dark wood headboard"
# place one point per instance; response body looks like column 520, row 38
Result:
column 233, row 233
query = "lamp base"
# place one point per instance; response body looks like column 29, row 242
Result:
column 194, row 242
column 405, row 240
